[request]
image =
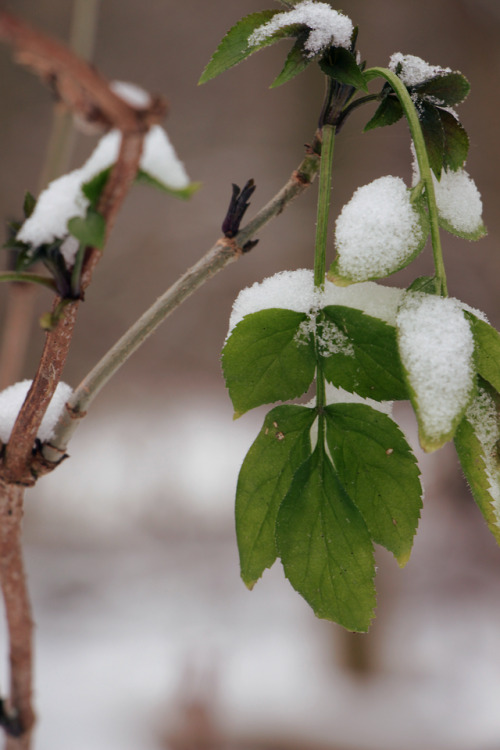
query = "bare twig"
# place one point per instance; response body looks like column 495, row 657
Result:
column 225, row 251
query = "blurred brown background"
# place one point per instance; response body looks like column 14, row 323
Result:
column 232, row 129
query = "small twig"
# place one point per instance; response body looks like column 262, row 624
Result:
column 224, row 251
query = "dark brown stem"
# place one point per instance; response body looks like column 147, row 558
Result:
column 20, row 713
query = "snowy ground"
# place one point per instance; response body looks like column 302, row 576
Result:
column 140, row 610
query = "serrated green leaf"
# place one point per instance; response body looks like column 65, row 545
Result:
column 340, row 64
column 486, row 349
column 388, row 112
column 433, row 132
column 368, row 363
column 477, row 450
column 443, row 90
column 90, row 230
column 456, row 141
column 295, row 63
column 234, row 47
column 379, row 473
column 143, row 178
column 265, row 477
column 477, row 234
column 266, row 359
column 325, row 547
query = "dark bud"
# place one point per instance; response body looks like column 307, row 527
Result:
column 237, row 207
column 9, row 721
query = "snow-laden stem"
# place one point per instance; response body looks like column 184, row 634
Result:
column 324, row 191
column 218, row 257
column 18, row 615
column 423, row 164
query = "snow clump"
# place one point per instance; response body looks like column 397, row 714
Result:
column 63, row 199
column 12, row 399
column 414, row 70
column 459, row 201
column 327, row 26
column 294, row 290
column 378, row 232
column 436, row 347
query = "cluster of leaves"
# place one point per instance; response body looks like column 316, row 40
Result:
column 319, row 505
column 89, row 230
column 446, row 140
column 323, row 482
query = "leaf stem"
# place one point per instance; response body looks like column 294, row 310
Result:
column 32, row 278
column 324, row 191
column 423, row 164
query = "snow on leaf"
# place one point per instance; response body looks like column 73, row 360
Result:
column 437, row 351
column 412, row 70
column 477, row 441
column 327, row 26
column 378, row 232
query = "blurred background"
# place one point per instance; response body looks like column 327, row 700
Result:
column 146, row 638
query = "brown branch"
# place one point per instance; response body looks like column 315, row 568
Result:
column 80, row 86
column 88, row 94
column 19, row 717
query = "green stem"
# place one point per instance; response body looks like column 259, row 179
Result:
column 32, row 278
column 423, row 164
column 325, row 186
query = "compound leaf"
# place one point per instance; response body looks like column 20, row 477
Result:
column 265, row 359
column 325, row 546
column 379, row 473
column 364, row 358
column 281, row 447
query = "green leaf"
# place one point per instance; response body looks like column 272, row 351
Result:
column 143, row 178
column 325, row 546
column 92, row 189
column 29, row 204
column 426, row 284
column 433, row 132
column 368, row 362
column 456, row 141
column 234, row 47
column 486, row 349
column 295, row 63
column 265, row 477
column 388, row 112
column 340, row 64
column 379, row 473
column 443, row 90
column 477, row 450
column 266, row 358
column 90, row 230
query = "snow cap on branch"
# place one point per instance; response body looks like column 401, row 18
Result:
column 12, row 399
column 63, row 199
column 327, row 26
